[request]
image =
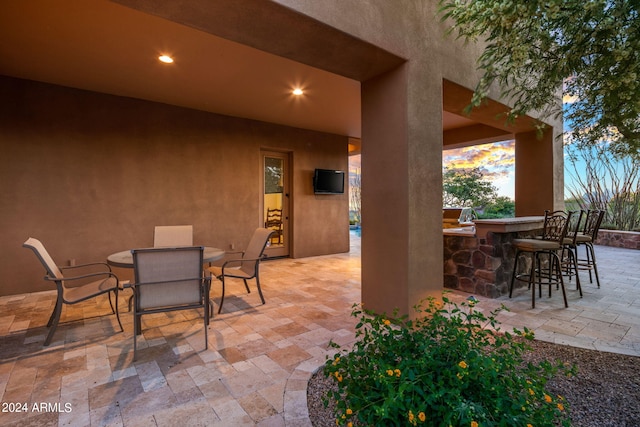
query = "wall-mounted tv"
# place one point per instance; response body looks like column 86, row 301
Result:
column 327, row 181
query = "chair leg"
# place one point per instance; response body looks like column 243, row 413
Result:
column 567, row 265
column 222, row 297
column 576, row 263
column 137, row 316
column 206, row 334
column 120, row 288
column 54, row 313
column 593, row 262
column 570, row 263
column 538, row 271
column 116, row 311
column 533, row 269
column 532, row 282
column 52, row 324
column 550, row 275
column 136, row 329
column 589, row 265
column 111, row 303
column 211, row 306
column 259, row 288
column 513, row 273
column 207, row 301
column 246, row 285
column 573, row 261
column 558, row 264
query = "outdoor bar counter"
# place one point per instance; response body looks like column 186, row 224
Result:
column 479, row 259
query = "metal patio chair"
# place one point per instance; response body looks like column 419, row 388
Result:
column 168, row 279
column 172, row 235
column 246, row 265
column 99, row 282
column 168, row 236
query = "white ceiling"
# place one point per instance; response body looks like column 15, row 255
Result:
column 105, row 47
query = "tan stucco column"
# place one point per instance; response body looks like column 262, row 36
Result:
column 401, row 191
column 539, row 173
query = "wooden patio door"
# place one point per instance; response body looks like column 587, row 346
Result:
column 276, row 201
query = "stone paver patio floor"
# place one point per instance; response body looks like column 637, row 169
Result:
column 260, row 357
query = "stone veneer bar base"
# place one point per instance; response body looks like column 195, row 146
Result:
column 482, row 264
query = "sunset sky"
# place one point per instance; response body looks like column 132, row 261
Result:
column 495, row 160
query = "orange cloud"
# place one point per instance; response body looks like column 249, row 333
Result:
column 494, row 160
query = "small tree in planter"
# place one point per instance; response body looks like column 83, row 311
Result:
column 443, row 369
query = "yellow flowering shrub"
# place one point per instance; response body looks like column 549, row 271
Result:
column 442, row 368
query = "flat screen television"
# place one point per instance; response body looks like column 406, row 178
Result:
column 327, row 181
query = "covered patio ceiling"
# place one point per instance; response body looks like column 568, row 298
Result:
column 113, row 47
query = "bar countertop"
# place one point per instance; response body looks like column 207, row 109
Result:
column 507, row 225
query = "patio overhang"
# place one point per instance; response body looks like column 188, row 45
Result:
column 384, row 86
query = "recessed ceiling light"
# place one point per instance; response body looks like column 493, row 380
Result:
column 298, row 91
column 166, row 59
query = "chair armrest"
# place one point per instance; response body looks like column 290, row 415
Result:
column 217, row 263
column 234, row 252
column 255, row 259
column 200, row 278
column 231, row 261
column 240, row 260
column 83, row 276
column 91, row 264
column 243, row 259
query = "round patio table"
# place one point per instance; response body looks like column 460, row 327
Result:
column 124, row 259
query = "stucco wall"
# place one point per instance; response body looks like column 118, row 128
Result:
column 402, row 140
column 91, row 174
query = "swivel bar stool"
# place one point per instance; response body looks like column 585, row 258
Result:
column 541, row 250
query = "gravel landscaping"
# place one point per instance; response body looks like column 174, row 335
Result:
column 605, row 392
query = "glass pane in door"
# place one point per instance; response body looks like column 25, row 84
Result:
column 274, row 209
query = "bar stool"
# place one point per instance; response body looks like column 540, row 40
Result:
column 553, row 235
column 569, row 254
column 588, row 235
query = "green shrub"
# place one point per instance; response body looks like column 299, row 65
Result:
column 442, row 369
column 499, row 207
